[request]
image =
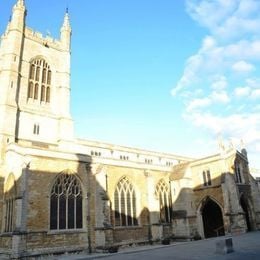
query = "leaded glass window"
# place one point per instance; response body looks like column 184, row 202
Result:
column 163, row 195
column 9, row 202
column 39, row 81
column 125, row 204
column 66, row 203
column 206, row 178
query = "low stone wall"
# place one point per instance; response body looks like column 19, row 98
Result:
column 43, row 243
column 130, row 234
column 5, row 245
column 167, row 230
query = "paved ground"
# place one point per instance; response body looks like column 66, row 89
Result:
column 246, row 246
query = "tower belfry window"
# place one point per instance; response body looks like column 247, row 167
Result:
column 36, row 90
column 43, row 93
column 39, row 86
column 206, row 178
column 48, row 93
column 30, row 90
column 37, row 73
column 44, row 75
column 36, row 129
column 49, row 77
column 32, row 71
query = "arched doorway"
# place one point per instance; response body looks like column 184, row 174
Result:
column 245, row 208
column 212, row 219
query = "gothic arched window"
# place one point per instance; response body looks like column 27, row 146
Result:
column 66, row 203
column 206, row 178
column 9, row 202
column 162, row 192
column 39, row 81
column 125, row 204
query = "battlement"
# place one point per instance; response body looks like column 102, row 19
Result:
column 45, row 40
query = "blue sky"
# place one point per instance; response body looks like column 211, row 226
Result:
column 162, row 75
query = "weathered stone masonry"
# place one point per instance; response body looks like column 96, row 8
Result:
column 62, row 194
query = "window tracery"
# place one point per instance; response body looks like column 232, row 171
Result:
column 162, row 192
column 39, row 86
column 66, row 203
column 125, row 204
column 9, row 201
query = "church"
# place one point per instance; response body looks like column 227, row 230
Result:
column 62, row 194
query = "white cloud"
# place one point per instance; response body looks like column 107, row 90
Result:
column 208, row 43
column 256, row 108
column 242, row 49
column 216, row 97
column 257, row 147
column 189, row 75
column 218, row 10
column 242, row 66
column 226, row 19
column 219, row 82
column 253, row 82
column 247, row 8
column 252, row 136
column 252, row 90
column 228, row 54
column 198, row 103
column 239, row 126
column 242, row 91
column 220, row 97
column 241, row 108
column 255, row 94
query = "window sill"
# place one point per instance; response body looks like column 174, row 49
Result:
column 127, row 227
column 66, row 231
column 162, row 224
column 6, row 234
column 37, row 101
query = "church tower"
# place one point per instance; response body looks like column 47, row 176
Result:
column 35, row 84
column 11, row 52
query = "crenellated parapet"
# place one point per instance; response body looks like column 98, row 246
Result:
column 38, row 37
column 18, row 19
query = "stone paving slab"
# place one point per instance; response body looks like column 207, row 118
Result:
column 246, row 246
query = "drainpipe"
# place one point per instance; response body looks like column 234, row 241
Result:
column 88, row 169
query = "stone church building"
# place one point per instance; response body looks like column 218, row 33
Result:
column 59, row 193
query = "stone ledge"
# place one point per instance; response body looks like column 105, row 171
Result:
column 104, row 228
column 64, row 232
column 127, row 227
column 115, row 246
column 54, row 251
column 161, row 224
